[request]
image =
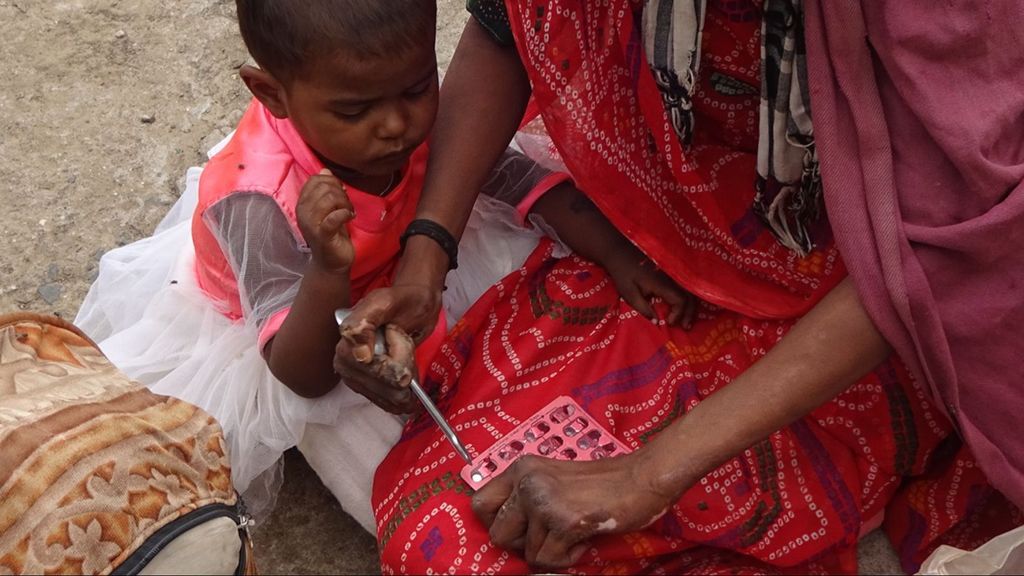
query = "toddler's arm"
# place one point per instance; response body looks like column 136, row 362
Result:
column 288, row 293
column 301, row 355
column 585, row 230
column 519, row 181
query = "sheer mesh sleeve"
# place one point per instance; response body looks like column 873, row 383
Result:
column 265, row 255
column 519, row 181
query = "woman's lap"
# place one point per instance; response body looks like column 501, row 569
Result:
column 558, row 328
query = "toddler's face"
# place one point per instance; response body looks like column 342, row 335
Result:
column 367, row 115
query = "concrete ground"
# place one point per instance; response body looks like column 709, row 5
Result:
column 103, row 106
column 309, row 533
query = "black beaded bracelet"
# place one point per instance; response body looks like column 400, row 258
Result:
column 438, row 234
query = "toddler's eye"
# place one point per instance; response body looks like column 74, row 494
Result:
column 420, row 88
column 351, row 113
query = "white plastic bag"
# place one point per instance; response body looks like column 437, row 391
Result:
column 1003, row 554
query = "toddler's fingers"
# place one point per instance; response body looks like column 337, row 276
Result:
column 638, row 300
column 330, row 196
column 317, row 201
column 690, row 314
column 320, row 182
column 675, row 313
column 676, row 300
column 324, row 183
column 334, row 223
column 663, row 287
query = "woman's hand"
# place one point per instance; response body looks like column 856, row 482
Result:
column 550, row 509
column 639, row 282
column 410, row 312
column 323, row 211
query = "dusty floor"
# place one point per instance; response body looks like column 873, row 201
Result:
column 103, row 105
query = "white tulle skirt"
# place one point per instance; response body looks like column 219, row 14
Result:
column 149, row 317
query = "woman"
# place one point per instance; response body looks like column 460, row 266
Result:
column 777, row 430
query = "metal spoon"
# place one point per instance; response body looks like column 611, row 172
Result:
column 380, row 348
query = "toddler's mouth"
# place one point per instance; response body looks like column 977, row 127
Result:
column 399, row 155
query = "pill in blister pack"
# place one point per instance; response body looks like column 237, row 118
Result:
column 562, row 430
column 511, row 451
column 578, row 425
column 589, row 440
column 537, row 431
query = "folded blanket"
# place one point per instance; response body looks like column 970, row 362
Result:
column 91, row 463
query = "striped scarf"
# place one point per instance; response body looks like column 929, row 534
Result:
column 788, row 187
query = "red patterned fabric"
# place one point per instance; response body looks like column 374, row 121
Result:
column 794, row 503
column 691, row 213
column 925, row 513
column 797, row 501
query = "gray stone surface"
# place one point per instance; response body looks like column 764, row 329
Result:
column 309, row 533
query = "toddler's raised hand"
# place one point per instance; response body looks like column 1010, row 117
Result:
column 323, row 211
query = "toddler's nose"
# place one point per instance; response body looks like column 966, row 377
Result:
column 394, row 124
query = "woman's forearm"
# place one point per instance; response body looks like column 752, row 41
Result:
column 483, row 99
column 827, row 351
column 301, row 354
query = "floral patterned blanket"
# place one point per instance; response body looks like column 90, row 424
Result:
column 91, row 463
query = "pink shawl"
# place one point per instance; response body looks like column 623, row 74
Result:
column 918, row 110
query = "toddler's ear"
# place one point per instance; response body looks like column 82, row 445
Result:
column 267, row 89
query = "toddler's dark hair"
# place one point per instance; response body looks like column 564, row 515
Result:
column 283, row 36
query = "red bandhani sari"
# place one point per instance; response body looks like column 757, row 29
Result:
column 796, row 502
column 690, row 212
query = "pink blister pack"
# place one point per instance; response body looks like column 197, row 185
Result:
column 562, row 430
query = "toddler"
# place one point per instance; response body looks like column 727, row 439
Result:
column 230, row 304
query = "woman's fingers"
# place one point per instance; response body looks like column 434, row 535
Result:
column 365, row 380
column 391, row 405
column 510, row 524
column 551, row 509
column 488, row 500
column 542, row 521
column 557, row 551
column 400, row 347
column 537, row 536
column 407, row 307
column 359, row 329
column 499, row 507
column 382, row 379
